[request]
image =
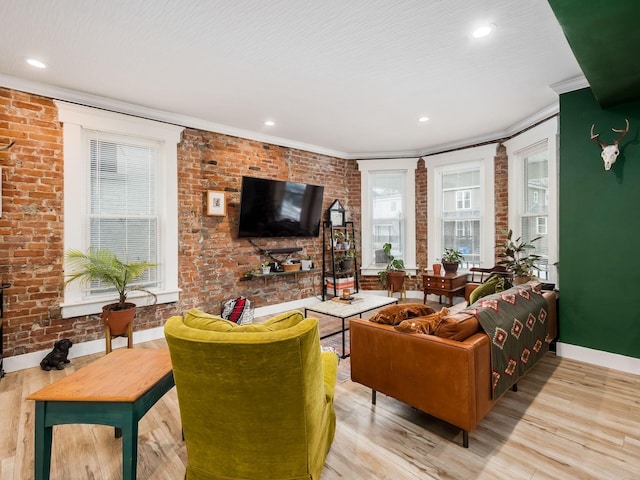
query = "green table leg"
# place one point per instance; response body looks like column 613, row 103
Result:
column 129, row 447
column 42, row 445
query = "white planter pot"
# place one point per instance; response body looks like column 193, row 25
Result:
column 266, row 270
column 306, row 264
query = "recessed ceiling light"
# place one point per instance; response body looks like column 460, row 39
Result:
column 423, row 119
column 269, row 123
column 36, row 63
column 483, row 31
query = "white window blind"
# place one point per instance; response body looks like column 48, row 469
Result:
column 123, row 214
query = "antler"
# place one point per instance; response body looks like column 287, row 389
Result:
column 624, row 132
column 7, row 147
column 595, row 138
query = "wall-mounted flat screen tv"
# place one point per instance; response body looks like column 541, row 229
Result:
column 275, row 208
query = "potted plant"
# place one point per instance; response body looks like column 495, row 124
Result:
column 393, row 275
column 347, row 260
column 451, row 259
column 102, row 265
column 307, row 263
column 517, row 259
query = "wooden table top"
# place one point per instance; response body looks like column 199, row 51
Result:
column 121, row 376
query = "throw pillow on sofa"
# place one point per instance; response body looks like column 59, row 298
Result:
column 395, row 314
column 459, row 326
column 495, row 283
column 426, row 324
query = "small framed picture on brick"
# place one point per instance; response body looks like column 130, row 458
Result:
column 216, row 206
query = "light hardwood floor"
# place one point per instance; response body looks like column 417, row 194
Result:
column 568, row 420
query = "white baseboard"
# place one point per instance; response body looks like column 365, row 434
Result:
column 33, row 359
column 565, row 350
column 599, row 358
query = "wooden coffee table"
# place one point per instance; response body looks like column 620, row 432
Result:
column 336, row 308
column 118, row 389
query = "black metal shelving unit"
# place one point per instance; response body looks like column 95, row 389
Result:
column 331, row 253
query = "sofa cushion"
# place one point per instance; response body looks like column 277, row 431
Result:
column 459, row 326
column 426, row 324
column 394, row 314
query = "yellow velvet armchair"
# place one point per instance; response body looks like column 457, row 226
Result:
column 256, row 400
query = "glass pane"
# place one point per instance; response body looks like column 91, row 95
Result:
column 536, row 183
column 387, row 207
column 536, row 202
column 123, row 216
column 461, row 208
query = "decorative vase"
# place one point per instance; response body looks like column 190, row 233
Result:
column 437, row 269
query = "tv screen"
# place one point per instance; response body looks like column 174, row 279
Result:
column 274, row 208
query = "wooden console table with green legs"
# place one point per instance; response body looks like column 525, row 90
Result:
column 117, row 390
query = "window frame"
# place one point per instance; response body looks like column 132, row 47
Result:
column 77, row 118
column 367, row 167
column 518, row 148
column 483, row 157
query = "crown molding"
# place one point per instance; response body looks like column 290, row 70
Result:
column 126, row 108
column 569, row 85
column 493, row 137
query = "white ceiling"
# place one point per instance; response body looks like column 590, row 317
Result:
column 343, row 77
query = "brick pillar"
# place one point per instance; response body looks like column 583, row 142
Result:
column 501, row 185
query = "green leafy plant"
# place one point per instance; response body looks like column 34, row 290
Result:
column 393, row 264
column 516, row 257
column 104, row 266
column 452, row 256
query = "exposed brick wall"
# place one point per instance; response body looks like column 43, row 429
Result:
column 501, row 193
column 212, row 261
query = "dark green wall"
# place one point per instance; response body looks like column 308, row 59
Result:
column 599, row 228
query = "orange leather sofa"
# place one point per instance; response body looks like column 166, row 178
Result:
column 448, row 378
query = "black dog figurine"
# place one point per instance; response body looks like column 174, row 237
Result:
column 57, row 357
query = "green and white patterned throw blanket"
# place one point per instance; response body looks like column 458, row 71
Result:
column 516, row 322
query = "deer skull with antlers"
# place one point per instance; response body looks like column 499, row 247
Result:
column 609, row 152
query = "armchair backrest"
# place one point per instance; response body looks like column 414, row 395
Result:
column 251, row 402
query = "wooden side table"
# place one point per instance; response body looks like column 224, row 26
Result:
column 448, row 285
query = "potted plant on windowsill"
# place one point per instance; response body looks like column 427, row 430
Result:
column 517, row 259
column 451, row 259
column 394, row 274
column 102, row 265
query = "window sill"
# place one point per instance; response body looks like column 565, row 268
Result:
column 93, row 306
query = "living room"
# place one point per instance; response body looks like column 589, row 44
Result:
column 209, row 263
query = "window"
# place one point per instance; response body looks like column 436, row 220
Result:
column 388, row 212
column 541, row 225
column 463, row 199
column 533, row 193
column 460, row 199
column 120, row 177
